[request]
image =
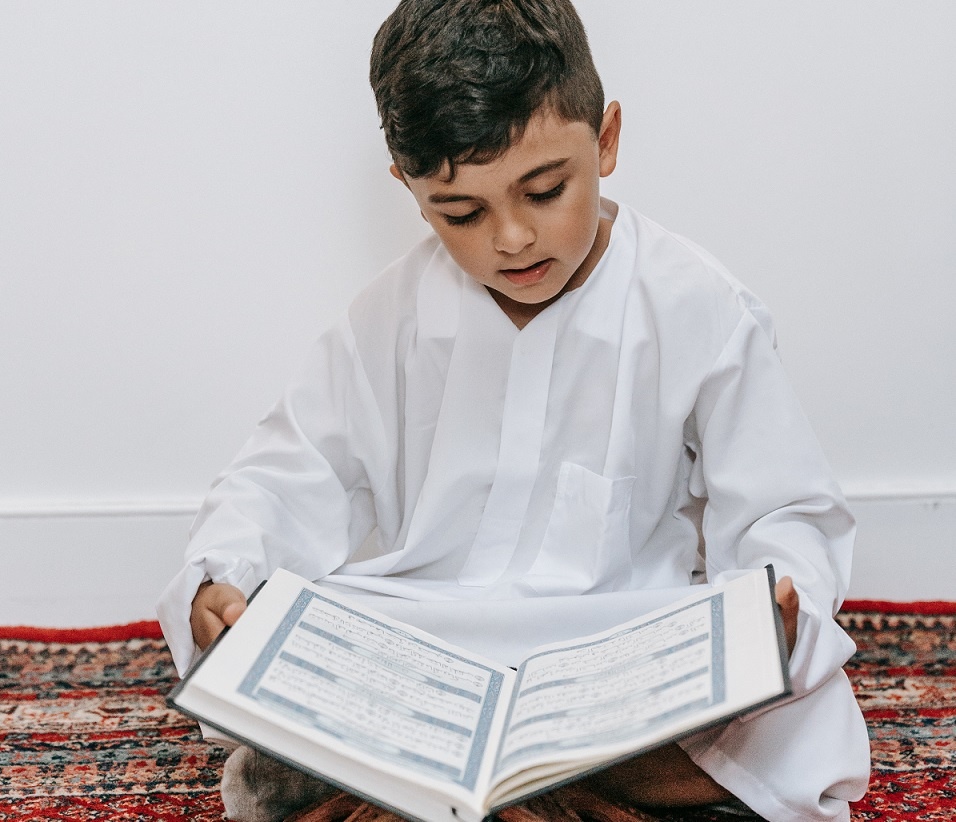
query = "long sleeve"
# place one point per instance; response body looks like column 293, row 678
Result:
column 770, row 495
column 298, row 495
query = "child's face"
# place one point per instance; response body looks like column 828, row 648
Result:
column 527, row 225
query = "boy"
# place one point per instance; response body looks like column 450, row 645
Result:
column 550, row 416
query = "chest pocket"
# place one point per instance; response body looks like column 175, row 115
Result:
column 586, row 546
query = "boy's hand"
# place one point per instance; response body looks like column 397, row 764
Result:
column 215, row 606
column 789, row 601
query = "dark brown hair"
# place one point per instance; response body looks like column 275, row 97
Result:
column 456, row 81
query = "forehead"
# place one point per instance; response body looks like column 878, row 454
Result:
column 548, row 140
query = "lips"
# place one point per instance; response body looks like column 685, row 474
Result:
column 531, row 275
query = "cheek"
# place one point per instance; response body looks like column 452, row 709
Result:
column 578, row 228
column 463, row 248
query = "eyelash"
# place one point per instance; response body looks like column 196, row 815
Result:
column 542, row 197
column 551, row 194
column 464, row 219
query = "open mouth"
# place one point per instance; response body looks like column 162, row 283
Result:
column 527, row 276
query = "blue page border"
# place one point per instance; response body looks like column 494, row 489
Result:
column 250, row 688
column 718, row 671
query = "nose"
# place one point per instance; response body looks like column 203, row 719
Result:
column 513, row 234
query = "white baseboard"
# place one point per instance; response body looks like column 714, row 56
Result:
column 73, row 565
column 79, row 565
column 905, row 546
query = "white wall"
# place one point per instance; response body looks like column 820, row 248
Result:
column 190, row 192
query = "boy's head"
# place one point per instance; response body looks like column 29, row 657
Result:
column 457, row 81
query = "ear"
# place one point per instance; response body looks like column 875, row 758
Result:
column 609, row 138
column 396, row 172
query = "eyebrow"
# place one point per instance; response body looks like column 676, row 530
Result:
column 525, row 178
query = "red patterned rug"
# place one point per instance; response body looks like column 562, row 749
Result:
column 85, row 733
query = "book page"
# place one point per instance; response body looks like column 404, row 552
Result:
column 376, row 688
column 618, row 687
column 351, row 683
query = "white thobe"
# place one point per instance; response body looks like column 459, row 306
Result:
column 503, row 488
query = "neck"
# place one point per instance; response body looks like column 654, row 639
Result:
column 523, row 313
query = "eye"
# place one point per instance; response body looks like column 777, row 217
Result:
column 550, row 194
column 463, row 219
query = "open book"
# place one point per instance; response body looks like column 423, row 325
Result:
column 434, row 732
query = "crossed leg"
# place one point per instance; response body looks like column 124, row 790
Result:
column 664, row 777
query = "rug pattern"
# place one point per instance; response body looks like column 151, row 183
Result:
column 904, row 675
column 85, row 733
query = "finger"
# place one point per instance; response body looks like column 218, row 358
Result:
column 220, row 598
column 789, row 601
column 786, row 594
column 206, row 626
column 232, row 612
column 214, row 607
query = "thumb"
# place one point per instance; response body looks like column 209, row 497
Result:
column 232, row 611
column 226, row 602
column 789, row 601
